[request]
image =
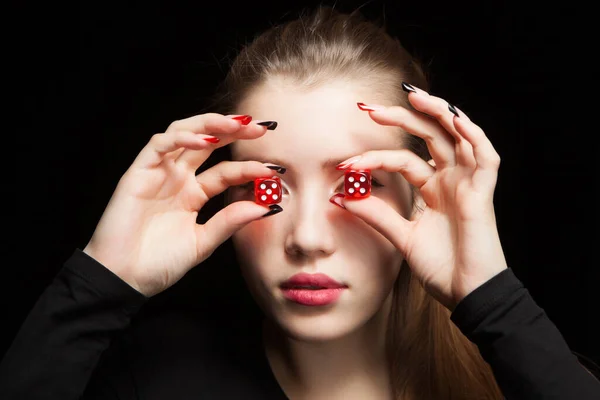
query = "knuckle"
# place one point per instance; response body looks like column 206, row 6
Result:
column 221, row 169
column 174, row 126
column 156, row 138
column 246, row 167
column 495, row 159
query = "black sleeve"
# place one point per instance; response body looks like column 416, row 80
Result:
column 62, row 339
column 528, row 355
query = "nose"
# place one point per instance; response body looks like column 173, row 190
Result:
column 311, row 232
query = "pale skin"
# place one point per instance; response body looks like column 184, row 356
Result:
column 309, row 349
column 148, row 235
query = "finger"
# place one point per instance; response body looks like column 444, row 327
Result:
column 227, row 221
column 161, row 144
column 197, row 125
column 412, row 167
column 462, row 114
column 439, row 142
column 229, row 173
column 219, row 123
column 443, row 112
column 383, row 218
column 486, row 157
column 220, row 127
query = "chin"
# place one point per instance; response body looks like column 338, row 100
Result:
column 316, row 328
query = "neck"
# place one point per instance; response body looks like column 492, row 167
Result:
column 350, row 367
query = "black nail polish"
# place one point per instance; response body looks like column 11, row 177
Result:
column 453, row 110
column 277, row 168
column 271, row 125
column 274, row 210
column 408, row 87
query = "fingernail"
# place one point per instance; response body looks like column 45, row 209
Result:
column 274, row 210
column 337, row 200
column 370, row 107
column 348, row 162
column 407, row 87
column 212, row 139
column 244, row 119
column 277, row 168
column 453, row 110
column 271, row 125
column 462, row 114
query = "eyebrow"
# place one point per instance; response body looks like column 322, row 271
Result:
column 326, row 164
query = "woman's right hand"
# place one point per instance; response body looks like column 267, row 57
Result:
column 148, row 235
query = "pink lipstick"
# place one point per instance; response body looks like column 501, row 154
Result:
column 312, row 289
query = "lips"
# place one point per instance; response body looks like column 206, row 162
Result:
column 311, row 281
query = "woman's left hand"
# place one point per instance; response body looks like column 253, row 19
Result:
column 451, row 246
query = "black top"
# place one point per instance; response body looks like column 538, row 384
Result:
column 59, row 352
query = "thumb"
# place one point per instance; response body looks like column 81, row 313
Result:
column 382, row 217
column 229, row 220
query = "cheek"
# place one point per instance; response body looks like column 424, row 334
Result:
column 372, row 260
column 254, row 244
column 377, row 262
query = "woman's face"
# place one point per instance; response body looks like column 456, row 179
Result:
column 317, row 130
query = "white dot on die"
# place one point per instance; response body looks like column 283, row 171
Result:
column 362, row 179
column 362, row 190
column 269, row 191
column 275, row 197
column 263, row 197
column 262, row 186
column 351, row 190
column 351, row 179
column 356, row 184
column 274, row 185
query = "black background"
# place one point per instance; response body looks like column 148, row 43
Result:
column 90, row 82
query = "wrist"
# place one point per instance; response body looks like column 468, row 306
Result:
column 468, row 286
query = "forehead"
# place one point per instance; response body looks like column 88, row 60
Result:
column 313, row 124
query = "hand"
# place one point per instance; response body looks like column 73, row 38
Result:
column 148, row 234
column 451, row 246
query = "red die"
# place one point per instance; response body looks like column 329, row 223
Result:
column 267, row 190
column 357, row 183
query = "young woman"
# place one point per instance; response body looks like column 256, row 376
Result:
column 402, row 294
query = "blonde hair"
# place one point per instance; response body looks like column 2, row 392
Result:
column 429, row 358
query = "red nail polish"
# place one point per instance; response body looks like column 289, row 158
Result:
column 245, row 119
column 345, row 164
column 369, row 107
column 336, row 199
column 212, row 139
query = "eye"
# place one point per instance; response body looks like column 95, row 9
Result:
column 375, row 182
